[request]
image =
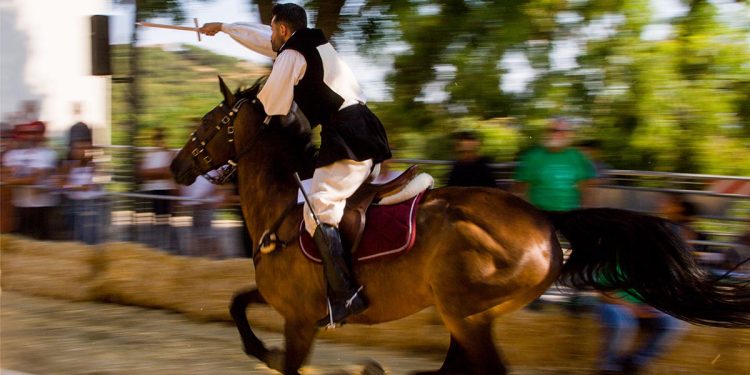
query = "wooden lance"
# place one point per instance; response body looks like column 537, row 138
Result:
column 173, row 27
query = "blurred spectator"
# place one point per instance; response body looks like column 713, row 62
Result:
column 592, row 148
column 744, row 241
column 553, row 175
column 470, row 168
column 84, row 186
column 29, row 112
column 156, row 179
column 623, row 317
column 232, row 199
column 683, row 213
column 740, row 253
column 30, row 167
column 592, row 196
column 79, row 131
column 7, row 213
column 200, row 239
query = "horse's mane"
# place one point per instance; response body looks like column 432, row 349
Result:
column 252, row 91
column 296, row 133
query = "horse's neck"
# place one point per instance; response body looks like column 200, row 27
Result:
column 265, row 175
column 263, row 200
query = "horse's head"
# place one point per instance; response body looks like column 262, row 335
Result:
column 210, row 151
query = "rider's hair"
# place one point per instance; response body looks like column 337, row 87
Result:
column 292, row 15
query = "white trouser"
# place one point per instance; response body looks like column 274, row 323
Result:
column 331, row 185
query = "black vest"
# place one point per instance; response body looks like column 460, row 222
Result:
column 351, row 133
column 316, row 99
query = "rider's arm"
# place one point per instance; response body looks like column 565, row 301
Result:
column 256, row 37
column 278, row 92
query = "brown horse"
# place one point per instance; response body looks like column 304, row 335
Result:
column 479, row 252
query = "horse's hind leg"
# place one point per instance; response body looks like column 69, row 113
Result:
column 472, row 349
column 455, row 362
column 299, row 339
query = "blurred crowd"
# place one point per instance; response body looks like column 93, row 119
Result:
column 49, row 194
column 51, row 198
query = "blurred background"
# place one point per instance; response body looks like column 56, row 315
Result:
column 657, row 93
column 654, row 93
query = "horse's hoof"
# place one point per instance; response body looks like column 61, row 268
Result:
column 372, row 368
column 274, row 359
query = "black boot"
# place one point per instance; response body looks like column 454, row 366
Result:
column 344, row 296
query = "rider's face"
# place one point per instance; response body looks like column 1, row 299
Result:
column 279, row 32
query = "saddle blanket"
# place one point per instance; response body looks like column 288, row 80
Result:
column 390, row 230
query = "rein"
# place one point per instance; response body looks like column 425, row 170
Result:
column 270, row 241
column 226, row 171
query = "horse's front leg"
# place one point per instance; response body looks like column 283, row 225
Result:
column 299, row 339
column 238, row 309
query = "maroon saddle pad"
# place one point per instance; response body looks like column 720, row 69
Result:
column 389, row 231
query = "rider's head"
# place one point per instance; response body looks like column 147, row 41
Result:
column 287, row 18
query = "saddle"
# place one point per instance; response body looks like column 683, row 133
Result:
column 352, row 224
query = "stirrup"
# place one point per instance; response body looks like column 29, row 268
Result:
column 347, row 305
column 331, row 324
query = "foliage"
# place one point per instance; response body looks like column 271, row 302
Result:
column 177, row 88
column 675, row 103
column 679, row 101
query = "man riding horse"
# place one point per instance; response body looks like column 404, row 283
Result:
column 308, row 71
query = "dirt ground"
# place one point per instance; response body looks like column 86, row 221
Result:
column 45, row 336
column 49, row 336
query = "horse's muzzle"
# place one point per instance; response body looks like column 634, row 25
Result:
column 183, row 173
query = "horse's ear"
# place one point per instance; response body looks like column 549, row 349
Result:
column 228, row 96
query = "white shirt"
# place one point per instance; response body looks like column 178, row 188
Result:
column 289, row 67
column 84, row 176
column 200, row 189
column 27, row 161
column 153, row 159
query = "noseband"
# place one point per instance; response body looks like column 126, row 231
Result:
column 200, row 153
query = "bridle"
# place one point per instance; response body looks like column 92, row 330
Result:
column 200, row 153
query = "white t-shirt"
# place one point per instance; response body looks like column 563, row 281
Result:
column 157, row 159
column 27, row 161
column 200, row 189
column 84, row 176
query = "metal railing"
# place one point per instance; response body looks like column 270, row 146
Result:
column 726, row 213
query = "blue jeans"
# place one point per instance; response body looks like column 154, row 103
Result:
column 89, row 220
column 619, row 330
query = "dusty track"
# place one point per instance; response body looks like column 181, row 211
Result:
column 49, row 336
column 46, row 336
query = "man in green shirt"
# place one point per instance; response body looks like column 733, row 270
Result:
column 553, row 174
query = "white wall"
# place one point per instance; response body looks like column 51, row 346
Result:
column 45, row 55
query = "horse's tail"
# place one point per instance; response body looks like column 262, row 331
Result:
column 645, row 256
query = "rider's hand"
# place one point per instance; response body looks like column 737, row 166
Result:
column 211, row 28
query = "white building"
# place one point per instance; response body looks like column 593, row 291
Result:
column 45, row 55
